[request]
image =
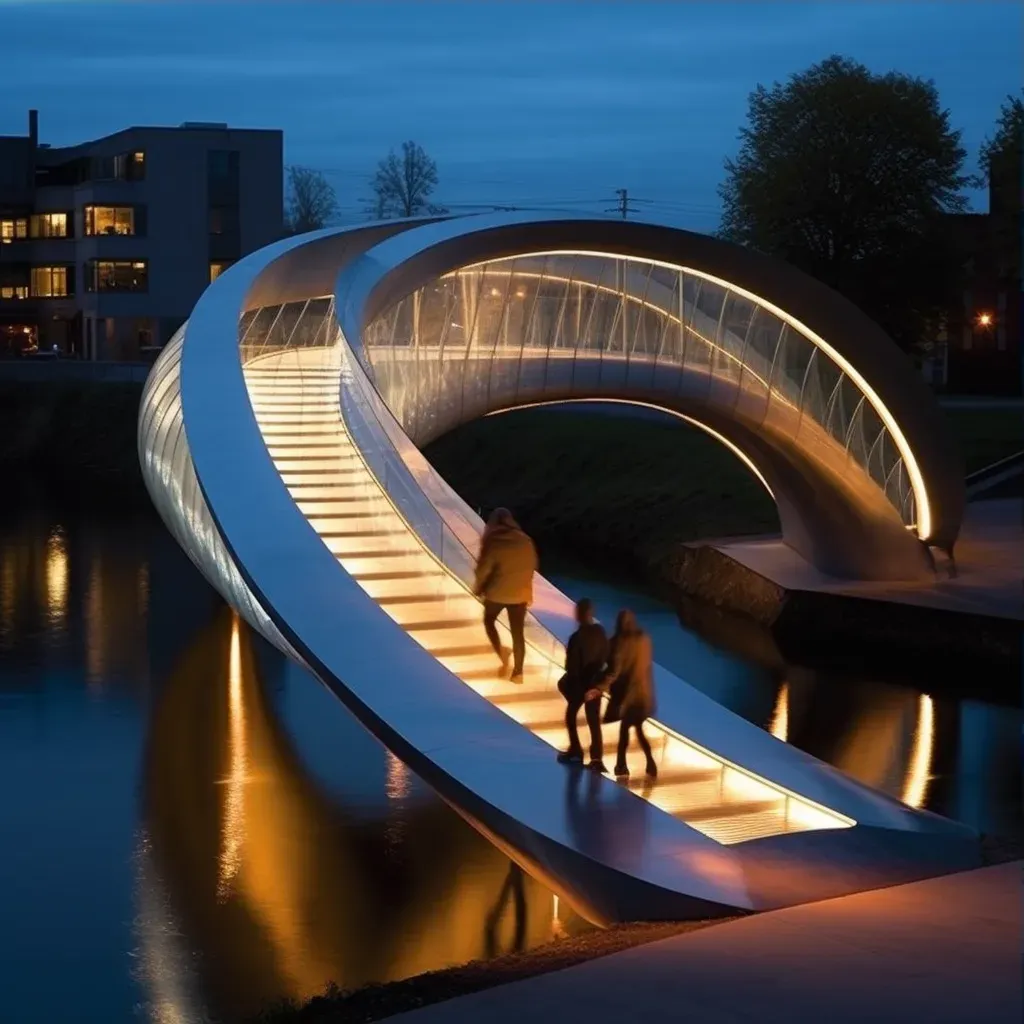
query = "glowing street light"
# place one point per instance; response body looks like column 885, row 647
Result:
column 985, row 319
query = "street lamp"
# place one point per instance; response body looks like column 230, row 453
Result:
column 985, row 319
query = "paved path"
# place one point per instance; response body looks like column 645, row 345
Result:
column 989, row 554
column 945, row 951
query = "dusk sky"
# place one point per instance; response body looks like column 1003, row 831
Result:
column 519, row 103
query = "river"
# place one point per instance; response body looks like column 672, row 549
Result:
column 191, row 828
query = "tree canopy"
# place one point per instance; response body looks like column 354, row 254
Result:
column 847, row 175
column 404, row 183
column 311, row 203
column 1002, row 156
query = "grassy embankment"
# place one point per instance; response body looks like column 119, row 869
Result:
column 630, row 489
column 622, row 488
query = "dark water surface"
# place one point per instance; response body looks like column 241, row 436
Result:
column 192, row 828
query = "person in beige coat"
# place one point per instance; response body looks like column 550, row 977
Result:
column 629, row 681
column 504, row 581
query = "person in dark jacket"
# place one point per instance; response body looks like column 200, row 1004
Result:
column 504, row 580
column 630, row 680
column 585, row 657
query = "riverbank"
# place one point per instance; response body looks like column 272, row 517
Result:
column 377, row 1002
column 907, row 930
column 74, row 432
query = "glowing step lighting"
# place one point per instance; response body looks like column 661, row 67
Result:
column 300, row 417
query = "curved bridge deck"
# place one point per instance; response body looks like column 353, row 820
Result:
column 280, row 447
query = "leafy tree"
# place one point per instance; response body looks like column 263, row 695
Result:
column 847, row 175
column 1002, row 166
column 1001, row 156
column 312, row 203
column 403, row 184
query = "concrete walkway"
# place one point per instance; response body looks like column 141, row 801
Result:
column 947, row 951
column 989, row 554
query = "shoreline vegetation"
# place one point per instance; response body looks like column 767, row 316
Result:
column 379, row 1001
column 376, row 1002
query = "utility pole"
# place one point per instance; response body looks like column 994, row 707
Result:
column 623, row 207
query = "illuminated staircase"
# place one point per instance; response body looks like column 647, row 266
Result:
column 296, row 401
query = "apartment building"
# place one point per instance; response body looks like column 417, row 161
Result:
column 106, row 246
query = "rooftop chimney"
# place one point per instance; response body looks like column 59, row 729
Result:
column 33, row 128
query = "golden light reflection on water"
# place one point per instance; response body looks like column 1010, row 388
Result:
column 95, row 628
column 142, row 589
column 56, row 578
column 233, row 827
column 281, row 885
column 780, row 716
column 915, row 787
column 398, row 784
column 8, row 590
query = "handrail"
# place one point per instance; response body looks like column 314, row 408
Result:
column 363, row 411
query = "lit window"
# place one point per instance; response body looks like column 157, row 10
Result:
column 14, row 291
column 218, row 268
column 49, row 225
column 51, row 282
column 110, row 220
column 117, row 276
column 10, row 230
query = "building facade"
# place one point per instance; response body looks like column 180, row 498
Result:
column 980, row 339
column 106, row 246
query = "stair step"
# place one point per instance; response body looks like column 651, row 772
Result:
column 676, row 777
column 381, row 553
column 409, row 598
column 310, row 442
column 418, row 627
column 475, row 674
column 463, row 650
column 353, row 534
column 729, row 810
column 405, row 574
column 521, row 696
column 322, row 475
column 339, row 499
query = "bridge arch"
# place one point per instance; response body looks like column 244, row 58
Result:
column 276, row 462
column 455, row 320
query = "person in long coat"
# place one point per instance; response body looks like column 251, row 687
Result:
column 504, row 581
column 629, row 680
column 585, row 657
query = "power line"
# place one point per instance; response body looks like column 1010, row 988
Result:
column 623, row 207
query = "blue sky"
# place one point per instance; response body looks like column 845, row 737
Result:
column 518, row 102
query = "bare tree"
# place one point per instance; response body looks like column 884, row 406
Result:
column 403, row 184
column 312, row 203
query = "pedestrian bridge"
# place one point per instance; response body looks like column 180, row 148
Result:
column 279, row 436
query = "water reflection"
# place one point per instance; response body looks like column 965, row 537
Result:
column 278, row 845
column 779, row 726
column 282, row 887
column 56, row 578
column 929, row 750
column 915, row 788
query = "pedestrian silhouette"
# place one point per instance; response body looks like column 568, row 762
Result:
column 586, row 655
column 629, row 681
column 504, row 581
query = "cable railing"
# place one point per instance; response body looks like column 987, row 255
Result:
column 563, row 321
column 384, row 448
